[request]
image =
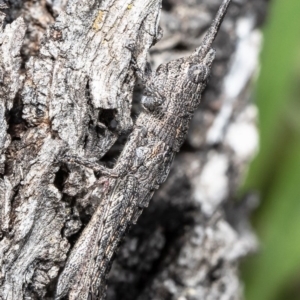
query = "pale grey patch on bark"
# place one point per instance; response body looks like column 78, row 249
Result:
column 11, row 39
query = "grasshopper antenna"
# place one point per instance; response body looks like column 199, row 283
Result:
column 213, row 30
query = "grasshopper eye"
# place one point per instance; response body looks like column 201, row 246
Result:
column 148, row 103
column 198, row 73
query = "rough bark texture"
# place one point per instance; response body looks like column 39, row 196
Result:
column 66, row 85
column 187, row 245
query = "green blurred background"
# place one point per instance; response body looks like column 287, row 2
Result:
column 274, row 272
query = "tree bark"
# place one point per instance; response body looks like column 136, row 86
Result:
column 66, row 86
column 189, row 242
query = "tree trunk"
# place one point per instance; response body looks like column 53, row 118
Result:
column 66, row 86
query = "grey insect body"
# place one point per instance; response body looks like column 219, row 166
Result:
column 172, row 95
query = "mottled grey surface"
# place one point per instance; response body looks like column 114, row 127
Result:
column 68, row 88
column 188, row 243
column 172, row 94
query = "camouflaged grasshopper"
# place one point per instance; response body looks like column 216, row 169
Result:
column 172, row 95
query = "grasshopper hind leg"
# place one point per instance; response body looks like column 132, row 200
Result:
column 96, row 167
